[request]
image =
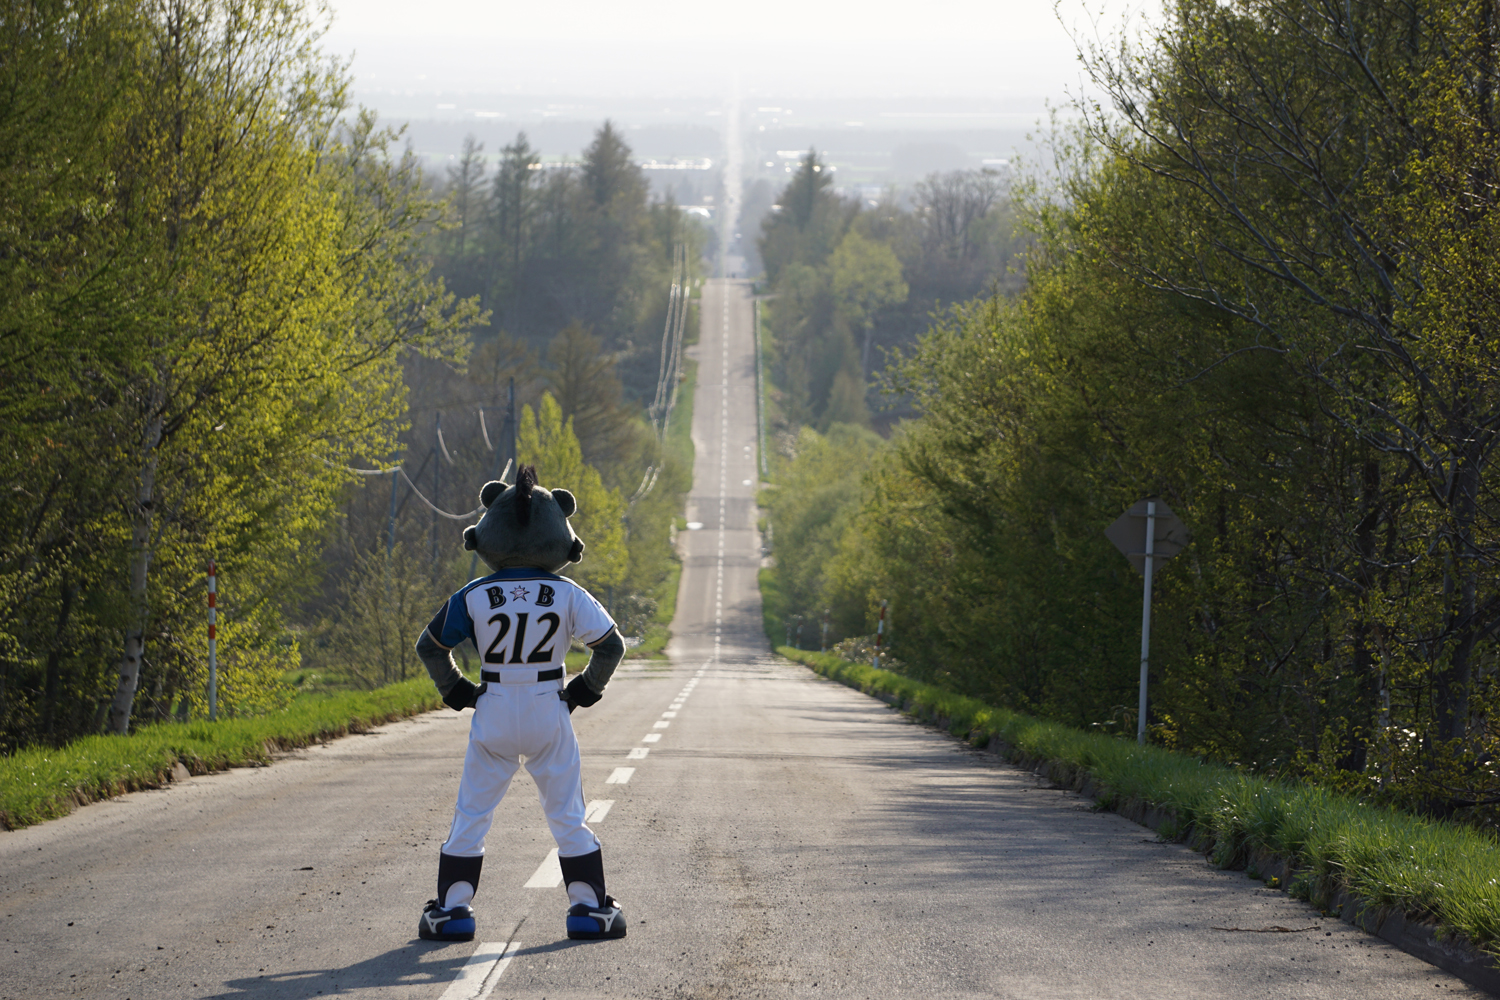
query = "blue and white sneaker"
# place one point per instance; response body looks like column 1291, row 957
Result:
column 456, row 923
column 595, row 923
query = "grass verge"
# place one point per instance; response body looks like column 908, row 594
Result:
column 679, row 445
column 43, row 784
column 1429, row 870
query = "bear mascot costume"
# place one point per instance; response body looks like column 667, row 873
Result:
column 521, row 618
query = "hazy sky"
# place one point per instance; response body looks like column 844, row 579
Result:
column 1016, row 50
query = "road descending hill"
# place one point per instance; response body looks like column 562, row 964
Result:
column 771, row 834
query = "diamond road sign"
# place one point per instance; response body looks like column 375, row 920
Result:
column 1128, row 534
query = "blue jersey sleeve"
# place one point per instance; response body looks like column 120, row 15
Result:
column 452, row 624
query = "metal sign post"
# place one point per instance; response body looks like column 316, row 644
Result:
column 1145, row 534
column 1140, row 720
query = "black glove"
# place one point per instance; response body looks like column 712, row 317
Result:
column 464, row 694
column 578, row 693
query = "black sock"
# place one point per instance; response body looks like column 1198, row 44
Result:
column 586, row 868
column 453, row 869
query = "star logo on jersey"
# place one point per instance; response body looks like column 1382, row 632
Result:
column 519, row 593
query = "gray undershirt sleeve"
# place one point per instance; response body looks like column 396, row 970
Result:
column 439, row 663
column 607, row 654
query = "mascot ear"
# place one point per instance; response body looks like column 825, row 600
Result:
column 567, row 502
column 491, row 490
column 575, row 552
column 469, row 538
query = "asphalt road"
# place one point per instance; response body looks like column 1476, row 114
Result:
column 771, row 835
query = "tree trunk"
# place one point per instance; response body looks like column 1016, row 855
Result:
column 1367, row 675
column 140, row 565
column 1462, row 588
column 54, row 661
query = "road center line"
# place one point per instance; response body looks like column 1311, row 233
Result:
column 548, row 874
column 476, row 980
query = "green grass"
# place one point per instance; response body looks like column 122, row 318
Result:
column 1428, row 869
column 659, row 632
column 43, row 784
column 679, row 437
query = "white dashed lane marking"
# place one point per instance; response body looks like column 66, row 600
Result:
column 477, row 979
column 598, row 809
column 637, row 753
column 651, row 738
column 619, row 776
column 548, row 875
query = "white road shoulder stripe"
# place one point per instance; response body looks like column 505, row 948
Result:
column 548, row 875
column 477, row 979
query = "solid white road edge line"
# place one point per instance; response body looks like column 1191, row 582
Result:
column 548, row 874
column 483, row 967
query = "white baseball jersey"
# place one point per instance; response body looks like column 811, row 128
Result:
column 521, row 618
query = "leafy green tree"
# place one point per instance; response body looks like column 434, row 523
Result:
column 866, row 278
column 548, row 442
column 255, row 281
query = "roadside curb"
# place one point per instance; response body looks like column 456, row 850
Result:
column 1424, row 939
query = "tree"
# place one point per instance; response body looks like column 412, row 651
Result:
column 807, row 222
column 866, row 278
column 512, row 206
column 1337, row 164
column 548, row 442
column 255, row 279
column 582, row 380
column 952, row 206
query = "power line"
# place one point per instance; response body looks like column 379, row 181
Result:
column 400, row 471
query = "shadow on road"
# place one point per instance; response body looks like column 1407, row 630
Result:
column 417, row 963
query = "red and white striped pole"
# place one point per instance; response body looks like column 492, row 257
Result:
column 879, row 634
column 213, row 641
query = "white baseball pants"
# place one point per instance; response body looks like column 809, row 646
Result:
column 512, row 721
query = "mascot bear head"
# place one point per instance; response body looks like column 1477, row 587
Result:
column 525, row 526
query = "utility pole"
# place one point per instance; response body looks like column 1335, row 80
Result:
column 437, row 483
column 213, row 641
column 390, row 531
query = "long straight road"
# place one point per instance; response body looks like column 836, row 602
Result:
column 771, row 835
